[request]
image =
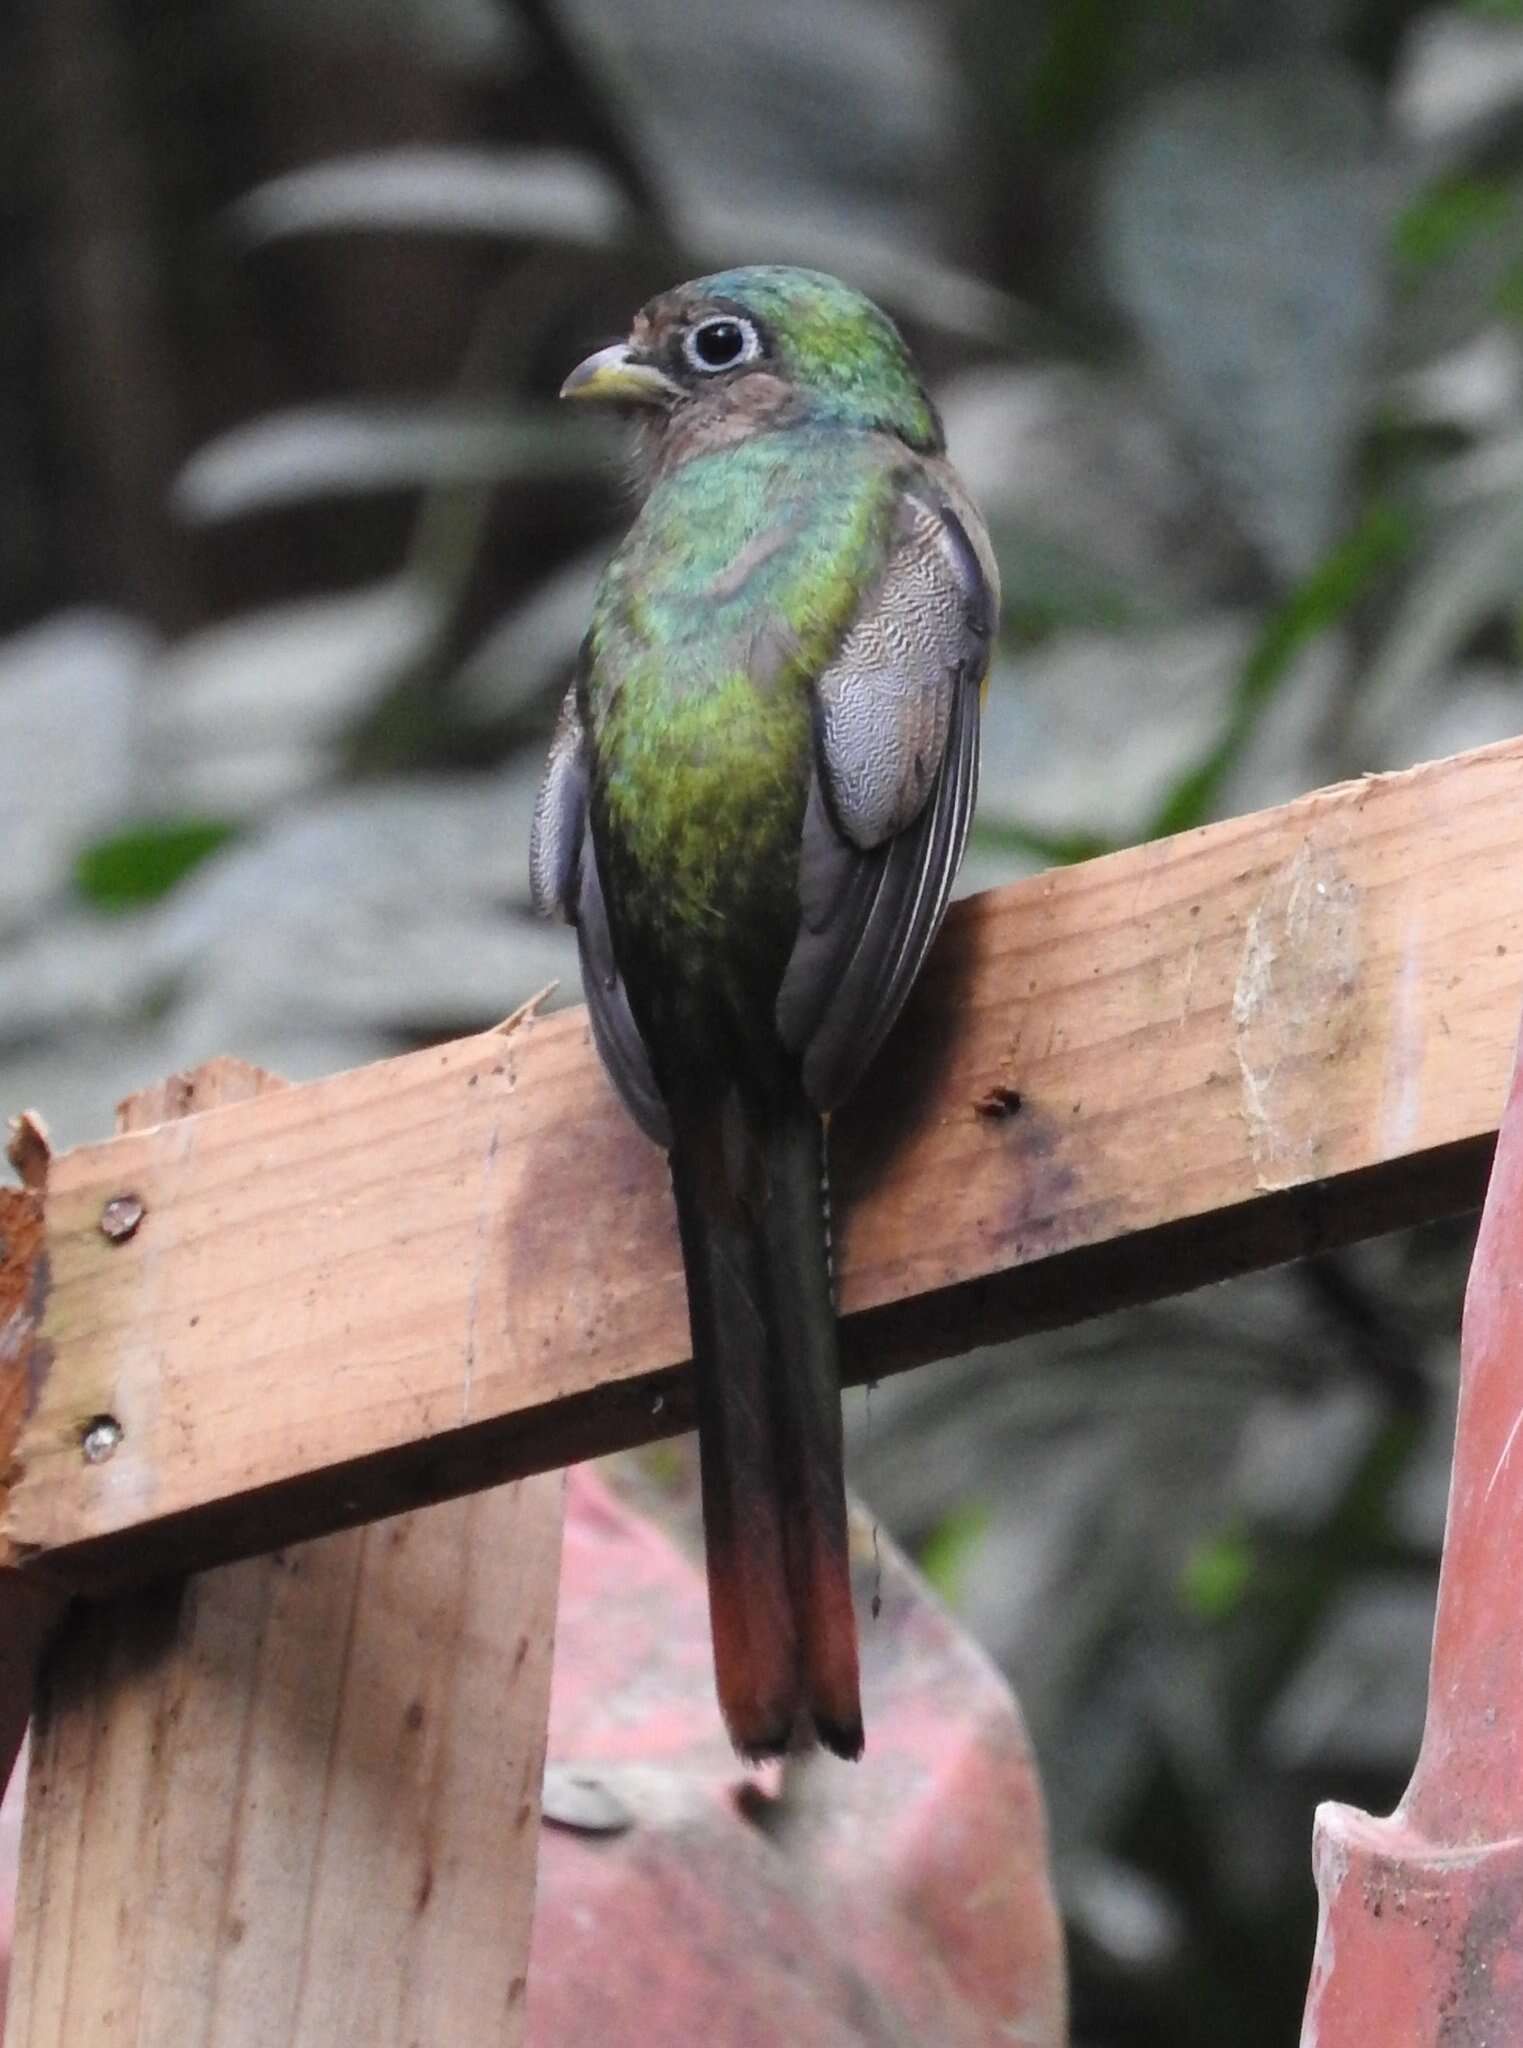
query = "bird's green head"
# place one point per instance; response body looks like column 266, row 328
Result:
column 743, row 350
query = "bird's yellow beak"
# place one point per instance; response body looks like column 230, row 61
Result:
column 619, row 376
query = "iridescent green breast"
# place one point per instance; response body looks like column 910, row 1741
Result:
column 729, row 596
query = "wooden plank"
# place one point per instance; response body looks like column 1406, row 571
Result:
column 296, row 1799
column 29, row 1614
column 1117, row 1081
column 29, row 1608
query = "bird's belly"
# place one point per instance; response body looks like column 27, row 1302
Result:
column 699, row 851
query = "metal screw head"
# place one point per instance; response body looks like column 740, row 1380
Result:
column 101, row 1435
column 121, row 1217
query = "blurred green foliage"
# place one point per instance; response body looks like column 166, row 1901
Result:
column 144, row 862
column 1444, row 217
column 1216, row 1576
column 948, row 1550
column 1320, row 602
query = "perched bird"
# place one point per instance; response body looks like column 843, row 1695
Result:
column 757, row 797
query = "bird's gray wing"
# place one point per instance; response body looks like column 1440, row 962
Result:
column 896, row 773
column 564, row 882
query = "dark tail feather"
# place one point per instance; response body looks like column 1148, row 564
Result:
column 750, row 1607
column 807, row 1405
column 751, row 1206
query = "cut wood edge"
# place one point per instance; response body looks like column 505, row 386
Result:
column 1118, row 1081
column 291, row 1684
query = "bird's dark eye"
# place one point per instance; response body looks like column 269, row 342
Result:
column 721, row 343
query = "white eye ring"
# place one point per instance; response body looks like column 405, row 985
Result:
column 705, row 345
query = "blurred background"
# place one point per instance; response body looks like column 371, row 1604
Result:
column 1222, row 302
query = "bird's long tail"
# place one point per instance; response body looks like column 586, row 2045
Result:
column 751, row 1205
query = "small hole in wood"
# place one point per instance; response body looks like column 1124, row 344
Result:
column 999, row 1102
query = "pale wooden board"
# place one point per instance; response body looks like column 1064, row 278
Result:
column 29, row 1609
column 1249, row 1042
column 296, row 1799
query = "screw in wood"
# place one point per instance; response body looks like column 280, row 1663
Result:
column 121, row 1216
column 99, row 1438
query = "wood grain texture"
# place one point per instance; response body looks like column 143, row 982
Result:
column 1115, row 1082
column 29, row 1608
column 295, row 1799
